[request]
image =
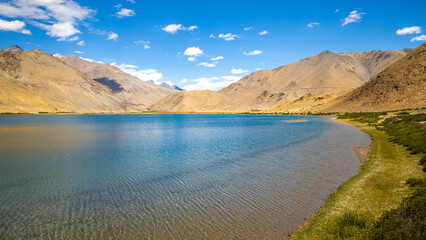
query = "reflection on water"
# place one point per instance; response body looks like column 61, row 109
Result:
column 168, row 176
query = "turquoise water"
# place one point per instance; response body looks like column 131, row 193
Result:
column 168, row 176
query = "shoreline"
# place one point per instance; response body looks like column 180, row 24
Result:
column 379, row 186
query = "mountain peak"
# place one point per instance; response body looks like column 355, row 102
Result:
column 14, row 48
column 326, row 52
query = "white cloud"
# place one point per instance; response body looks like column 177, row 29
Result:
column 353, row 16
column 184, row 80
column 252, row 53
column 192, row 59
column 248, row 28
column 217, row 58
column 409, row 30
column 144, row 75
column 419, row 38
column 336, row 11
column 81, row 43
column 238, row 71
column 112, row 36
column 264, row 32
column 212, row 36
column 312, row 24
column 228, row 36
column 146, row 44
column 63, row 30
column 191, row 28
column 210, row 83
column 79, row 52
column 206, row 64
column 14, row 26
column 92, row 60
column 132, row 1
column 193, row 51
column 58, row 17
column 174, row 28
column 125, row 12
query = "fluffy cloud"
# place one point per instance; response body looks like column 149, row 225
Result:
column 217, row 58
column 146, row 44
column 193, row 51
column 192, row 59
column 252, row 53
column 353, row 16
column 248, row 28
column 58, row 17
column 206, row 64
column 91, row 60
column 61, row 30
column 79, row 52
column 409, row 30
column 264, row 32
column 112, row 36
column 81, row 43
column 184, row 80
column 419, row 38
column 14, row 26
column 337, row 10
column 228, row 36
column 312, row 24
column 174, row 28
column 212, row 83
column 125, row 12
column 238, row 71
column 144, row 75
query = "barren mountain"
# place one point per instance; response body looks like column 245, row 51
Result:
column 305, row 104
column 192, row 101
column 325, row 73
column 134, row 93
column 402, row 85
column 33, row 81
column 14, row 48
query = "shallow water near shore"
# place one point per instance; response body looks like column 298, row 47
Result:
column 168, row 176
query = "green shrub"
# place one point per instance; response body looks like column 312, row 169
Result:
column 364, row 117
column 408, row 221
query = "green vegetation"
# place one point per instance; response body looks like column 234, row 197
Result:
column 408, row 221
column 363, row 117
column 387, row 199
column 408, row 131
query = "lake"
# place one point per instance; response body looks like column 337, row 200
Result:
column 168, row 176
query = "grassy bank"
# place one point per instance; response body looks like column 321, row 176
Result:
column 387, row 199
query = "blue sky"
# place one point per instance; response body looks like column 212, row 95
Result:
column 208, row 44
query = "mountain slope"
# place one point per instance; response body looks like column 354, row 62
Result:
column 134, row 93
column 33, row 81
column 325, row 73
column 400, row 86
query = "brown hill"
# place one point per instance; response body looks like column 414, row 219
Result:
column 134, row 93
column 309, row 103
column 33, row 81
column 402, row 85
column 325, row 73
column 192, row 101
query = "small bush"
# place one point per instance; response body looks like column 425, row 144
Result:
column 408, row 221
column 364, row 117
column 403, row 113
